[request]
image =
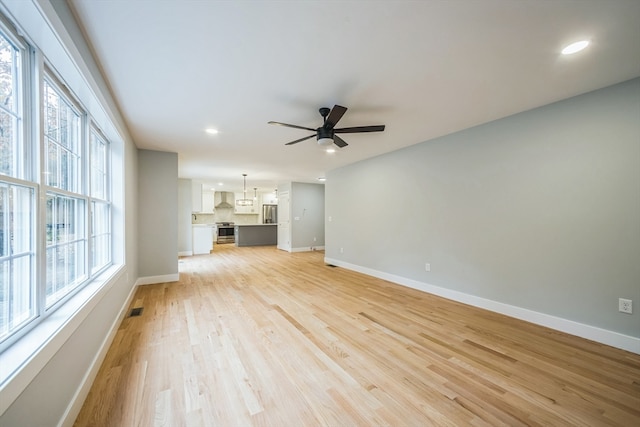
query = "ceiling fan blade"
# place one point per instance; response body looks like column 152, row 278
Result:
column 291, row 126
column 339, row 141
column 301, row 139
column 356, row 129
column 334, row 116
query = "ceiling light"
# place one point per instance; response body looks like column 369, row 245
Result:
column 331, row 150
column 211, row 131
column 322, row 178
column 575, row 47
column 325, row 142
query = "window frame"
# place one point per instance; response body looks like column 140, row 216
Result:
column 95, row 132
column 26, row 176
column 49, row 77
column 21, row 99
column 35, row 71
column 23, row 326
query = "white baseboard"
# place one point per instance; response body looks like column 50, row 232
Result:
column 185, row 253
column 151, row 280
column 82, row 392
column 307, row 249
column 614, row 339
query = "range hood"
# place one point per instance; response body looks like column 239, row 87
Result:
column 224, row 199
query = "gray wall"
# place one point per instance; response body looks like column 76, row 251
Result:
column 157, row 213
column 307, row 204
column 540, row 210
column 185, row 238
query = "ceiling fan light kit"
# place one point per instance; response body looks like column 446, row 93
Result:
column 326, row 134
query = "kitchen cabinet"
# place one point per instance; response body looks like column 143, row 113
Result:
column 256, row 234
column 202, row 238
column 270, row 199
column 246, row 210
column 201, row 198
column 196, row 196
column 207, row 200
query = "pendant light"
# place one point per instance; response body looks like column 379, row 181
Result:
column 255, row 193
column 244, row 201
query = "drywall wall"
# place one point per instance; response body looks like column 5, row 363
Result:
column 157, row 214
column 307, row 216
column 185, row 238
column 540, row 210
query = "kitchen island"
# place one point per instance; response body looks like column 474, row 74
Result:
column 256, row 234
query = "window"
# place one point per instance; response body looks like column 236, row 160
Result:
column 11, row 148
column 55, row 201
column 17, row 197
column 62, row 139
column 66, row 246
column 100, row 206
column 66, row 208
column 17, row 304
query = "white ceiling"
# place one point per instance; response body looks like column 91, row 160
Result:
column 422, row 68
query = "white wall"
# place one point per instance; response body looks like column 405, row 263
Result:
column 538, row 211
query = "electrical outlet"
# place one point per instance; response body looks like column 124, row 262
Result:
column 625, row 305
column 341, row 250
column 427, row 267
column 314, row 239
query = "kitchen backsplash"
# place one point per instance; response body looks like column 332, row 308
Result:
column 223, row 215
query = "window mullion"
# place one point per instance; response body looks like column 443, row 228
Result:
column 39, row 158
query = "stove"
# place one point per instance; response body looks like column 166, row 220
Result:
column 225, row 232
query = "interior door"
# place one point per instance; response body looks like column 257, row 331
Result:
column 284, row 224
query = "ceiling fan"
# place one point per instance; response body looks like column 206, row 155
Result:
column 326, row 134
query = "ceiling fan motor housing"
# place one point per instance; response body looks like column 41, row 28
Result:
column 324, row 136
column 325, row 133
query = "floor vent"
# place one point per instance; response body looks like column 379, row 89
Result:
column 331, row 265
column 135, row 312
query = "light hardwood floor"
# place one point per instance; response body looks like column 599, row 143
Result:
column 257, row 336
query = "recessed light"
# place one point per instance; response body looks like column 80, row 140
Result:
column 331, row 150
column 575, row 47
column 322, row 178
column 211, row 131
column 220, row 183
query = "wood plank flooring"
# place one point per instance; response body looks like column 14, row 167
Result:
column 259, row 337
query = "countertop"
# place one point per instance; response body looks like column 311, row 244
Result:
column 254, row 225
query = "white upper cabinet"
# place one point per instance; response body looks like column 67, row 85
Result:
column 196, row 196
column 208, row 200
column 269, row 199
column 201, row 198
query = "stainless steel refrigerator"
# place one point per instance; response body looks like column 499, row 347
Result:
column 269, row 214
